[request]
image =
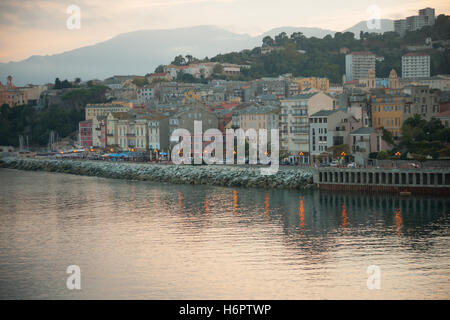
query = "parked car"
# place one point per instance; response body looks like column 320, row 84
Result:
column 324, row 164
column 351, row 165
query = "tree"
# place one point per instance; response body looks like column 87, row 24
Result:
column 159, row 69
column 218, row 69
column 140, row 82
column 179, row 61
column 281, row 39
column 267, row 41
column 382, row 155
column 66, row 84
column 58, row 84
column 422, row 137
column 387, row 136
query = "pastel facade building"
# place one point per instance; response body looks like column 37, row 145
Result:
column 294, row 123
column 11, row 95
column 330, row 128
column 387, row 110
column 358, row 64
column 86, row 134
column 103, row 109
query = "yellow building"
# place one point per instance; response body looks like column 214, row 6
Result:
column 191, row 96
column 321, row 84
column 387, row 110
column 103, row 109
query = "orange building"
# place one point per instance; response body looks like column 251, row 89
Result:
column 321, row 84
column 11, row 95
column 387, row 107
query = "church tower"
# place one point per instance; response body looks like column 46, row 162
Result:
column 393, row 80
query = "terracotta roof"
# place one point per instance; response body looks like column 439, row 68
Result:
column 443, row 114
column 415, row 54
column 160, row 74
column 362, row 53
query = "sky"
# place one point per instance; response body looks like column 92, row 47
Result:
column 39, row 27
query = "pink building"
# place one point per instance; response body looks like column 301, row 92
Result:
column 85, row 129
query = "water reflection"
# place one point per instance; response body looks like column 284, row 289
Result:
column 151, row 240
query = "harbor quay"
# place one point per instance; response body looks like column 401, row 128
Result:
column 394, row 180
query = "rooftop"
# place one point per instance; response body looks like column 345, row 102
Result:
column 323, row 113
column 363, row 131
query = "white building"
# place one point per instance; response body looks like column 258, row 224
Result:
column 415, row 65
column 426, row 17
column 358, row 64
column 145, row 94
column 294, row 123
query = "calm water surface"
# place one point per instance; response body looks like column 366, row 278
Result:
column 144, row 240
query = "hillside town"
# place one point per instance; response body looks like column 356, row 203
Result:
column 319, row 122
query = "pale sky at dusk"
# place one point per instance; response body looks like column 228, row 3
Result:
column 38, row 27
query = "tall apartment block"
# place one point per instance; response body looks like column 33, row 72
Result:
column 358, row 64
column 426, row 17
column 415, row 65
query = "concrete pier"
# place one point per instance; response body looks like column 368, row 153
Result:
column 416, row 181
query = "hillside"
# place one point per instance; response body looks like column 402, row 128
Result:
column 323, row 57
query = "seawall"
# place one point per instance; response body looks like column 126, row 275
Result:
column 218, row 175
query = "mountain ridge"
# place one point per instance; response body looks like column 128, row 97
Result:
column 138, row 52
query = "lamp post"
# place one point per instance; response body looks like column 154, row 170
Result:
column 301, row 154
column 397, row 155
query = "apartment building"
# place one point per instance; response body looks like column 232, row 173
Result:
column 321, row 84
column 358, row 64
column 85, row 133
column 103, row 109
column 158, row 132
column 330, row 128
column 99, row 132
column 422, row 100
column 364, row 141
column 415, row 65
column 258, row 117
column 426, row 17
column 387, row 110
column 294, row 123
column 185, row 118
column 145, row 94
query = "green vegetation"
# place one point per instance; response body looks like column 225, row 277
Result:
column 78, row 98
column 37, row 124
column 62, row 84
column 423, row 138
column 140, row 82
column 323, row 57
column 26, row 121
